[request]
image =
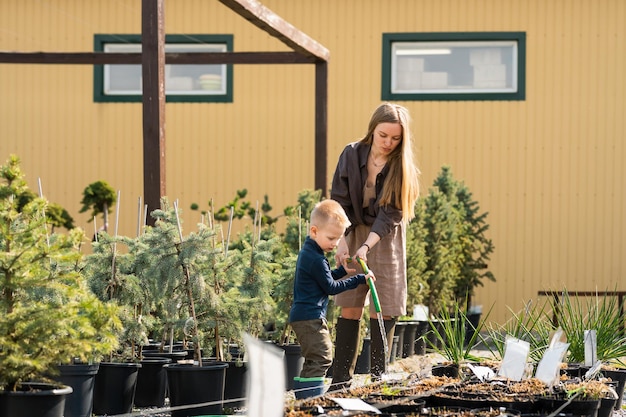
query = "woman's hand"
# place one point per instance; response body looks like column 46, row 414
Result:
column 362, row 253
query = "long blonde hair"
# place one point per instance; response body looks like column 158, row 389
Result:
column 401, row 186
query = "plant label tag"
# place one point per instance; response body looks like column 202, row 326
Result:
column 484, row 373
column 355, row 404
column 266, row 378
column 593, row 371
column 549, row 366
column 591, row 347
column 515, row 357
column 420, row 312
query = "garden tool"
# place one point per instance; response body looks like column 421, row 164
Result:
column 379, row 313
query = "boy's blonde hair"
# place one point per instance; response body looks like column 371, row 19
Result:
column 327, row 211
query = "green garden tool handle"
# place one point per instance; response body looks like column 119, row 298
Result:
column 370, row 282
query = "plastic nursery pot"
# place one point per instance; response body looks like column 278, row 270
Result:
column 81, row 377
column 34, row 399
column 175, row 356
column 235, row 385
column 293, row 363
column 114, row 389
column 576, row 407
column 451, row 370
column 151, row 382
column 618, row 375
column 191, row 384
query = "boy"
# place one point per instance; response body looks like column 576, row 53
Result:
column 314, row 282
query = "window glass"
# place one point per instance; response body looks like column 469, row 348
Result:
column 453, row 67
column 188, row 82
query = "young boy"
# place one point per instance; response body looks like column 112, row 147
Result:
column 314, row 282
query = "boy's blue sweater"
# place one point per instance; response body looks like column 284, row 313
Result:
column 315, row 281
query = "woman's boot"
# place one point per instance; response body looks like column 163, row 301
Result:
column 346, row 344
column 378, row 360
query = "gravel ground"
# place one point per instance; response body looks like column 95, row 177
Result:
column 399, row 369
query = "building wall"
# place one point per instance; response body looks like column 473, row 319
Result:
column 549, row 169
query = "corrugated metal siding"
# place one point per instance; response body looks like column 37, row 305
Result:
column 549, row 170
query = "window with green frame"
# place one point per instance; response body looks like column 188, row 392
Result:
column 183, row 83
column 454, row 66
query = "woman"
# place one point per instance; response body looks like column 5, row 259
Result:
column 376, row 182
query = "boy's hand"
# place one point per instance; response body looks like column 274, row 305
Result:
column 370, row 274
column 348, row 264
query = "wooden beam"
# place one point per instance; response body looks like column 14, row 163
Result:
column 307, row 51
column 265, row 19
column 321, row 126
column 101, row 58
column 153, row 85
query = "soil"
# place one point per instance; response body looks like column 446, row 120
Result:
column 407, row 378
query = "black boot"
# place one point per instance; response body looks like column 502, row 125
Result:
column 378, row 359
column 346, row 343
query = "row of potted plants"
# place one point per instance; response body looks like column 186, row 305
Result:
column 199, row 288
column 60, row 307
column 469, row 396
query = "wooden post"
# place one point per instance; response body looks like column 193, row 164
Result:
column 321, row 129
column 153, row 87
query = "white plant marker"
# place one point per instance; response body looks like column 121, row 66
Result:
column 591, row 347
column 266, row 378
column 548, row 369
column 515, row 358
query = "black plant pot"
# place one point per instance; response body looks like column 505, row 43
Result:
column 400, row 328
column 394, row 349
column 472, row 322
column 34, row 399
column 433, row 340
column 588, row 408
column 449, row 370
column 293, row 363
column 572, row 370
column 114, row 388
column 408, row 341
column 421, row 331
column 618, row 375
column 191, row 384
column 151, row 382
column 81, row 377
column 489, row 411
column 174, row 356
column 606, row 407
column 235, row 385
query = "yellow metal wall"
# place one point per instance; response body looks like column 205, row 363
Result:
column 549, row 170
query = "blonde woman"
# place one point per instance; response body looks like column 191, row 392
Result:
column 376, row 183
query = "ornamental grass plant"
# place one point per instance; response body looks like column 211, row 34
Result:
column 532, row 324
column 450, row 331
column 575, row 314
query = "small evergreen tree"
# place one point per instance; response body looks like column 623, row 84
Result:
column 443, row 248
column 298, row 219
column 447, row 247
column 47, row 314
column 476, row 247
column 112, row 277
column 56, row 216
column 179, row 264
column 295, row 233
column 255, row 304
column 417, row 275
column 99, row 197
